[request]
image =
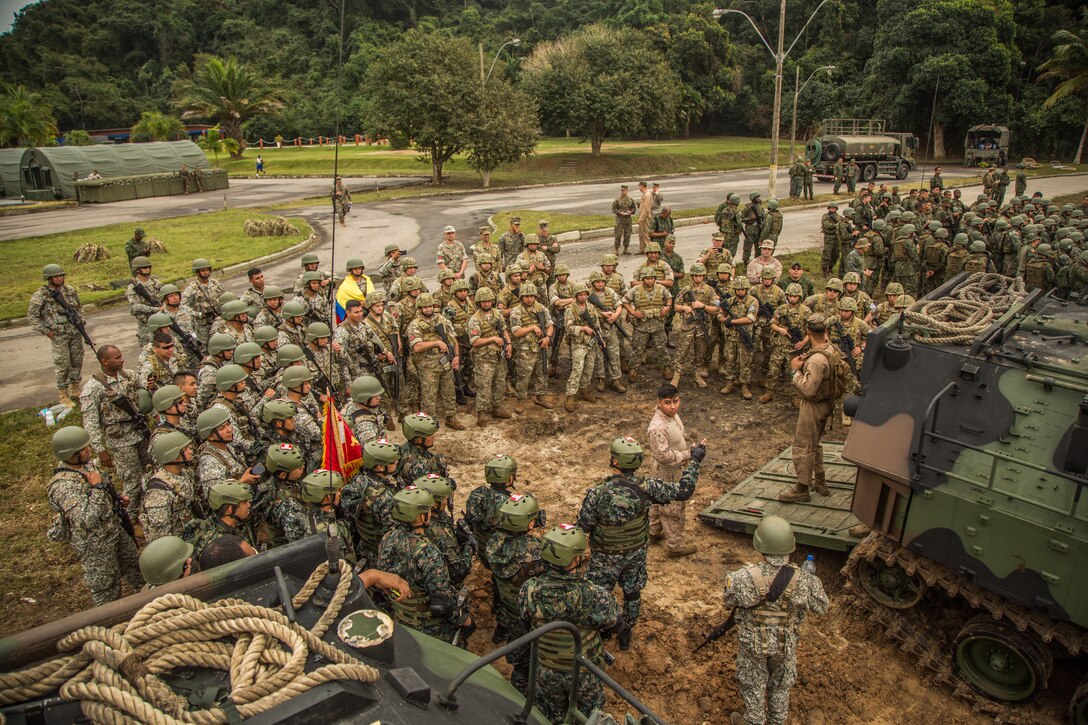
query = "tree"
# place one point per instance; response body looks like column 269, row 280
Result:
column 25, row 118
column 156, row 126
column 78, row 137
column 227, row 92
column 505, row 131
column 1069, row 64
column 213, row 140
column 603, row 82
column 425, row 88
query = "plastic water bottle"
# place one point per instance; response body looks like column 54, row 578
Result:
column 47, row 415
column 64, row 413
column 810, row 564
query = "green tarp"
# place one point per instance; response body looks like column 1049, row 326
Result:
column 11, row 183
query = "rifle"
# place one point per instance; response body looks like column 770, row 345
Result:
column 596, row 302
column 846, row 345
column 394, row 370
column 778, row 585
column 795, row 334
column 511, row 367
column 447, row 358
column 188, row 341
column 743, row 333
column 73, row 318
column 698, row 314
column 541, row 322
column 766, row 309
column 719, row 631
column 461, row 611
column 596, row 329
column 322, row 378
column 136, row 417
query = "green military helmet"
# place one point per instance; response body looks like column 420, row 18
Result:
column 933, row 225
column 166, row 290
column 246, row 352
column 228, row 376
column 772, row 204
column 848, row 212
column 408, row 263
column 960, row 239
column 485, row 258
column 294, row 376
column 52, row 270
column 1068, row 208
column 1065, row 245
column 562, row 545
column 288, row 354
column 607, row 259
column 500, row 469
column 834, row 284
column 321, row 483
column 444, row 274
column 968, row 216
column 160, row 320
column 880, row 225
column 754, row 195
column 774, row 536
column 520, row 510
column 439, row 487
column 317, row 330
column 375, row 297
column 226, row 297
column 561, row 269
column 851, row 278
column 138, row 262
column 941, row 233
column 201, row 263
column 418, row 425
column 163, row 561
column 979, row 246
column 977, row 222
column 222, row 494
column 907, row 229
column 895, row 215
column 1043, row 248
column 652, row 247
column 410, row 284
column 165, row 397
column 1001, row 224
column 272, row 292
column 596, row 276
column 365, row 387
column 627, row 453
column 277, row 410
column 390, row 248
column 283, row 458
column 426, row 300
column 265, row 334
column 1084, row 256
column 220, row 342
column 734, row 198
column 485, row 294
column 580, row 289
column 308, row 258
column 981, row 198
column 459, row 285
column 294, row 308
column 527, row 290
column 354, row 263
column 741, row 282
column 766, row 273
column 849, row 304
column 380, row 452
column 646, row 271
column 167, row 447
column 143, row 401
column 234, row 309
column 409, row 503
column 909, row 216
column 894, row 288
column 208, row 421
column 68, row 441
column 312, row 276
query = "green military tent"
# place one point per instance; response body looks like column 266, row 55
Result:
column 57, row 167
column 11, row 181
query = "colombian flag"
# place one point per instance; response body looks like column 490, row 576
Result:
column 349, row 290
column 341, row 451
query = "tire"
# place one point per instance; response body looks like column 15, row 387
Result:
column 1000, row 662
column 902, row 172
column 868, row 172
column 832, row 152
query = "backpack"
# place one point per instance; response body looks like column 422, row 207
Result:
column 840, row 373
column 1066, row 277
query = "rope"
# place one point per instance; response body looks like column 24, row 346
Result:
column 115, row 672
column 966, row 312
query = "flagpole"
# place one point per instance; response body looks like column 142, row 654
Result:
column 335, row 173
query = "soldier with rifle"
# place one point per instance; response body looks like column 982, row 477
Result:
column 848, row 335
column 769, row 296
column 608, row 303
column 753, row 217
column 737, row 313
column 202, row 298
column 55, row 312
column 385, row 330
column 490, row 344
column 532, row 332
column 788, row 338
column 325, row 362
column 696, row 305
column 431, row 340
column 181, row 323
column 560, row 295
column 584, row 334
column 143, row 297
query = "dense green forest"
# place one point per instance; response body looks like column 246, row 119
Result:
column 100, row 63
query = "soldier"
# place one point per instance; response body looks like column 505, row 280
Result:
column 234, row 321
column 271, row 306
column 765, row 260
column 615, row 515
column 979, row 259
column 532, row 330
column 1001, row 183
column 484, row 246
column 157, row 364
column 485, row 275
column 737, row 314
column 796, row 275
column 221, row 349
column 534, row 264
column 727, row 217
column 46, row 315
column 769, row 297
column 561, row 594
column 341, row 200
column 171, row 405
column 829, row 225
column 143, row 297
column 935, row 258
column 807, row 180
column 367, row 499
column 137, row 246
column 852, row 175
column 390, row 269
column 254, row 294
column 458, row 310
column 455, row 542
column 753, row 218
column 797, row 171
column 838, row 172
column 201, row 299
column 851, row 284
column 435, row 353
column 560, row 297
column 281, row 425
column 451, row 254
column 889, row 306
column 230, row 504
column 386, row 331
column 828, row 301
column 662, row 226
column 905, row 258
column 416, row 457
column 770, row 600
column 820, row 381
column 325, row 360
column 166, row 560
column 230, row 385
column 789, row 337
column 1005, row 244
column 286, row 516
column 490, row 344
column 445, row 288
column 956, row 257
column 319, row 492
column 609, row 357
column 364, row 411
column 482, row 507
column 1038, row 272
column 169, row 500
column 401, row 286
column 511, row 243
column 772, row 225
column 847, row 334
column 855, row 260
column 714, row 256
column 582, row 323
column 648, row 304
column 698, row 310
column 508, row 297
column 670, row 449
column 216, row 459
column 873, row 256
column 361, row 350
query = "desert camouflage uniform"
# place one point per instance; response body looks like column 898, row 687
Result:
column 150, row 367
column 539, row 259
column 607, row 364
column 514, row 559
column 201, row 300
column 781, row 346
column 691, row 341
column 451, row 254
column 366, row 502
column 762, row 335
column 167, row 505
column 140, row 308
column 488, row 361
column 435, row 376
column 45, row 316
column 531, row 373
column 105, row 551
column 412, row 556
column 458, row 556
column 651, row 330
column 767, row 646
column 215, row 465
column 583, row 347
column 115, row 431
column 738, row 356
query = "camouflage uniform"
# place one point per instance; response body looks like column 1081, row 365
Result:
column 768, row 298
column 241, row 332
column 481, row 248
column 366, row 423
column 389, row 273
column 246, row 432
column 767, row 635
column 167, row 505
column 608, row 363
column 416, row 462
column 458, row 312
column 531, row 373
column 105, row 551
column 412, row 556
column 583, row 347
column 488, row 361
column 318, row 304
column 458, row 557
column 829, row 225
column 322, row 361
column 140, row 308
column 450, row 254
column 738, row 356
column 538, row 259
column 291, row 335
column 150, row 367
column 511, row 244
column 367, row 501
column 405, row 313
column 651, row 330
column 788, row 316
column 201, row 532
column 386, row 332
column 727, row 217
column 116, row 431
column 623, row 207
column 436, row 381
column 482, row 515
column 691, row 340
column 45, row 316
column 492, row 279
column 203, row 302
column 352, row 337
column 215, row 465
column 514, row 558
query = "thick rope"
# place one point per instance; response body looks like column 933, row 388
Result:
column 115, row 672
column 966, row 312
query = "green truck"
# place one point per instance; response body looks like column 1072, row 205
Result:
column 876, row 151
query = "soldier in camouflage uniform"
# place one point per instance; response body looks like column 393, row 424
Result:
column 484, row 247
column 367, row 499
column 234, row 321
column 399, row 288
column 769, row 296
column 171, row 405
column 623, row 207
column 85, row 517
column 157, row 363
column 582, row 323
column 485, row 275
column 737, row 314
column 648, row 304
column 315, row 298
column 905, row 258
column 364, row 412
column 698, row 308
column 404, row 312
column 292, row 331
column 287, row 517
column 137, row 246
column 534, row 263
column 562, row 593
column 753, row 218
column 770, row 600
column 434, row 360
column 533, row 331
column 482, row 506
column 142, row 295
column 451, row 254
column 549, row 245
column 886, row 309
column 849, row 331
column 490, row 343
column 169, row 498
column 508, row 297
column 319, row 493
column 47, row 317
column 727, row 217
column 217, row 461
column 326, row 361
column 280, row 419
column 230, row 504
column 362, row 351
column 609, row 358
column 271, row 308
column 934, row 257
column 560, row 295
column 830, row 226
column 772, row 224
column 788, row 326
column 230, row 382
column 386, row 331
column 851, row 287
column 389, row 272
column 201, row 298
column 445, row 288
column 221, row 349
column 615, row 515
column 511, row 243
column 458, row 310
column 455, row 542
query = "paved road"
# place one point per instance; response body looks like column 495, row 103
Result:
column 27, row 379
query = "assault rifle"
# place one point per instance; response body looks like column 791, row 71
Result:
column 846, row 345
column 464, row 631
column 596, row 302
column 542, row 323
column 795, row 334
column 511, row 367
column 741, row 331
column 73, row 317
column 596, row 329
column 192, row 346
column 778, row 586
column 766, row 309
column 447, row 357
column 322, row 379
column 394, row 370
column 698, row 314
column 135, row 417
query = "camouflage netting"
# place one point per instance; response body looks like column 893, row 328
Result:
column 970, row 308
column 270, row 227
column 91, row 253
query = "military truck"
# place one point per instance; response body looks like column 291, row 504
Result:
column 876, row 151
column 336, row 658
column 986, row 143
column 972, row 462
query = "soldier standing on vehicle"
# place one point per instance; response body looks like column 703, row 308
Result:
column 770, row 600
column 623, row 207
column 47, row 315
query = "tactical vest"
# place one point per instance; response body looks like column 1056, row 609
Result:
column 508, row 591
column 934, row 252
column 414, row 610
column 1035, row 274
column 976, row 262
column 772, row 625
column 115, row 421
column 955, row 261
column 649, row 302
column 366, row 524
column 620, row 538
column 556, row 648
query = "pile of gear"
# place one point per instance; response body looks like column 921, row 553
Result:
column 270, row 227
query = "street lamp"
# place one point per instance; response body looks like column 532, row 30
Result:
column 796, row 94
column 484, row 79
column 779, row 57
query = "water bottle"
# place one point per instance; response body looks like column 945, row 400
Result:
column 64, row 413
column 810, row 564
column 47, row 415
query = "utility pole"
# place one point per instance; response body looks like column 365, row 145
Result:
column 772, row 182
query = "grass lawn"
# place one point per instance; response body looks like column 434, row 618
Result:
column 218, row 236
column 1074, row 199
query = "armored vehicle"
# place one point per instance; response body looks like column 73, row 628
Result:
column 875, row 150
column 287, row 636
column 986, row 143
column 972, row 452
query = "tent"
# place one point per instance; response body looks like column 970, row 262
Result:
column 56, row 167
column 11, row 181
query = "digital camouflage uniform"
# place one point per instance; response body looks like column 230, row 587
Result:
column 738, row 356
column 482, row 514
column 488, row 361
column 436, row 382
column 692, row 339
column 532, row 374
column 411, row 555
column 45, row 315
column 511, row 244
column 116, row 431
column 388, row 273
column 416, row 462
column 790, row 317
column 514, row 558
column 201, row 532
column 366, row 423
column 366, row 501
column 651, row 330
column 769, row 300
column 352, row 337
column 202, row 300
column 167, row 504
column 140, row 308
column 150, row 368
column 215, row 465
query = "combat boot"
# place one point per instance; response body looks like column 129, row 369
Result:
column 73, row 390
column 453, row 424
column 797, row 494
column 568, row 403
column 632, row 375
column 730, row 386
column 623, row 639
column 666, row 373
column 62, row 396
column 600, row 385
column 685, row 550
column 481, row 419
column 519, row 407
column 675, row 380
column 542, row 402
column 819, row 485
column 618, row 386
column 502, row 413
column 745, row 392
column 699, row 380
column 766, row 397
column 587, row 395
column 460, row 395
column 859, row 531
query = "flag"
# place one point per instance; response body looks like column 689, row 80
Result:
column 341, row 451
column 349, row 290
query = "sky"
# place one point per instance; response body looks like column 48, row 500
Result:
column 7, row 12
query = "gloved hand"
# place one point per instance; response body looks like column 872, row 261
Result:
column 440, row 606
column 698, row 453
column 462, row 531
column 728, row 322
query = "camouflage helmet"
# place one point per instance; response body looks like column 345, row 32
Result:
column 283, row 458
column 379, row 452
column 561, row 268
column 439, row 487
column 909, row 216
column 168, row 289
column 294, row 376
column 880, row 225
column 961, row 240
column 210, row 420
column 848, row 212
column 68, row 441
column 316, row 331
column 168, row 447
column 271, row 292
column 374, row 298
column 138, row 262
column 485, row 258
column 459, row 285
column 265, row 334
column 562, row 545
column 517, row 512
column 315, row 486
column 354, row 263
column 933, row 225
column 626, row 452
column 52, row 270
column 849, row 304
column 160, row 320
column 696, row 268
column 426, row 300
column 390, row 248
column 485, row 294
column 774, row 536
column 772, row 204
column 1042, row 249
column 294, row 308
column 607, row 259
column 444, row 274
column 228, row 376
column 228, row 493
column 221, row 342
column 741, row 282
column 287, row 354
column 500, row 469
column 418, row 425
column 246, row 352
column 733, row 198
column 163, row 561
column 646, row 271
column 234, row 309
column 201, row 263
column 851, row 278
column 513, row 268
column 941, row 233
column 794, row 290
column 652, row 247
column 596, row 276
column 579, row 289
column 531, row 239
column 1001, row 224
column 408, row 262
column 312, row 276
column 766, row 273
column 834, row 284
column 893, row 288
column 752, row 196
column 165, row 397
column 277, row 410
column 527, row 290
column 979, row 246
column 409, row 503
column 365, row 387
column 894, row 215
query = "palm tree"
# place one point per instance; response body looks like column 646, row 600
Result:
column 227, row 92
column 156, row 126
column 25, row 119
column 1069, row 64
column 213, row 140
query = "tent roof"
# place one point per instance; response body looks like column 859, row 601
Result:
column 11, row 180
column 128, row 159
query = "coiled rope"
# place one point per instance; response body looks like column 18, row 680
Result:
column 115, row 672
column 968, row 309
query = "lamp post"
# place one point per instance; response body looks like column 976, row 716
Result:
column 485, row 78
column 779, row 57
column 797, row 94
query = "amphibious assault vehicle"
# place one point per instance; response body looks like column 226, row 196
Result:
column 314, row 649
column 972, row 461
column 876, row 151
